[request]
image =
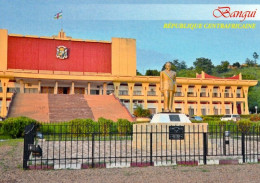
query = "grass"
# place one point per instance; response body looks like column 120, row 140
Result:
column 11, row 142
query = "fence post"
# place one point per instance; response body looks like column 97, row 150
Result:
column 243, row 147
column 151, row 148
column 28, row 139
column 93, row 149
column 205, row 148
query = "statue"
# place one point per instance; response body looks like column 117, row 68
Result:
column 168, row 81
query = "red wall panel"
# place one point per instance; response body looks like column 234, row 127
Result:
column 40, row 54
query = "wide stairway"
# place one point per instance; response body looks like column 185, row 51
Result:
column 61, row 107
column 31, row 105
column 107, row 106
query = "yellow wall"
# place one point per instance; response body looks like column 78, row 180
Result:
column 3, row 49
column 123, row 57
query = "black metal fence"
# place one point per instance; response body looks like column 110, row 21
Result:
column 63, row 146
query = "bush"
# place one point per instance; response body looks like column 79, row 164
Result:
column 14, row 127
column 255, row 117
column 244, row 125
column 140, row 112
column 124, row 126
column 81, row 126
column 104, row 125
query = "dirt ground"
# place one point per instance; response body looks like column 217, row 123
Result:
column 11, row 171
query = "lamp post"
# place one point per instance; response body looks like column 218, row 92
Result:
column 256, row 109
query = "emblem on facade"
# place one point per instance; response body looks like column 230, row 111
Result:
column 62, row 52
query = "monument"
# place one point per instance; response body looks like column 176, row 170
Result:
column 168, row 82
column 169, row 129
column 168, row 85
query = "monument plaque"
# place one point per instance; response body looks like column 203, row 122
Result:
column 176, row 132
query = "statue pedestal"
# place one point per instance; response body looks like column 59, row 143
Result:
column 164, row 140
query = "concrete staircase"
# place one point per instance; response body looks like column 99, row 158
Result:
column 61, row 107
column 64, row 107
column 30, row 105
column 107, row 106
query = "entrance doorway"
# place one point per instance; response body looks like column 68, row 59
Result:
column 63, row 90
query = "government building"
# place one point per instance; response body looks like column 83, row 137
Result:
column 64, row 65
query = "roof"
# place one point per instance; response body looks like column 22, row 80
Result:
column 207, row 76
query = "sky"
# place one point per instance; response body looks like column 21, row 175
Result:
column 141, row 20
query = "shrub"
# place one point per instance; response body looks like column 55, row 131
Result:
column 14, row 127
column 104, row 126
column 244, row 125
column 255, row 117
column 140, row 112
column 81, row 126
column 124, row 126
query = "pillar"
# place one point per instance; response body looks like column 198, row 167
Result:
column 100, row 90
column 242, row 108
column 130, row 93
column 88, row 88
column 185, row 94
column 56, row 87
column 222, row 91
column 245, row 89
column 198, row 90
column 72, row 91
column 210, row 90
column 21, row 86
column 159, row 97
column 4, row 83
column 39, row 86
column 234, row 98
column 104, row 88
column 145, row 88
column 116, row 88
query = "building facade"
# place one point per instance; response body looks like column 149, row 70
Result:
column 63, row 65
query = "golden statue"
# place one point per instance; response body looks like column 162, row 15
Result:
column 168, row 81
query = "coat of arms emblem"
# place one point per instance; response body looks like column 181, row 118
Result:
column 62, row 52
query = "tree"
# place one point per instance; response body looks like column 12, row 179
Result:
column 203, row 64
column 177, row 65
column 138, row 73
column 223, row 67
column 255, row 56
column 150, row 72
column 236, row 64
column 249, row 62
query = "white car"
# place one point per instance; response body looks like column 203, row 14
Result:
column 230, row 117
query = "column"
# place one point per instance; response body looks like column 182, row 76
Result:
column 245, row 89
column 56, row 87
column 185, row 94
column 21, row 86
column 198, row 90
column 72, row 88
column 210, row 90
column 104, row 88
column 116, row 88
column 159, row 97
column 242, row 108
column 130, row 93
column 145, row 87
column 39, row 86
column 4, row 83
column 100, row 90
column 88, row 88
column 222, row 91
column 234, row 98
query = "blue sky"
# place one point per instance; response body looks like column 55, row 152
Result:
column 155, row 45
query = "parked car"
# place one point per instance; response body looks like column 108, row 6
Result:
column 230, row 117
column 196, row 118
